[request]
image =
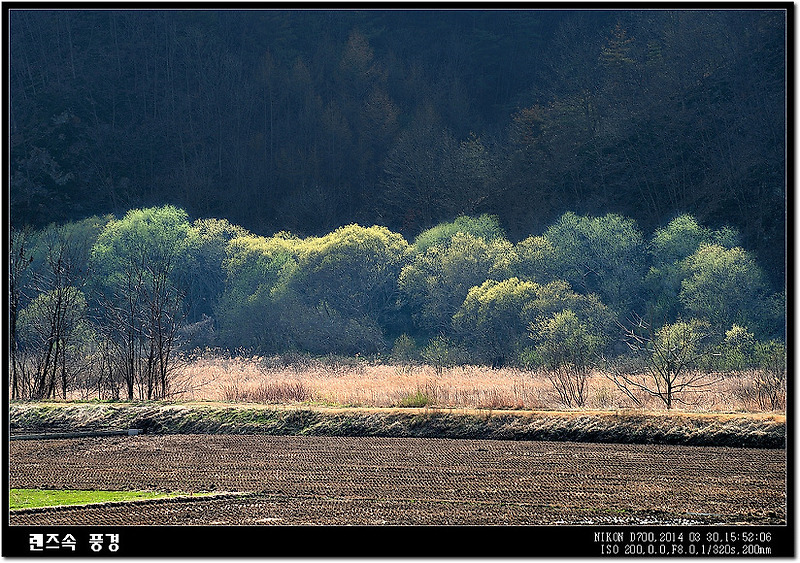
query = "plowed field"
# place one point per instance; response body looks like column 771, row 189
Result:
column 354, row 480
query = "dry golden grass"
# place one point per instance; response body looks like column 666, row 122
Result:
column 352, row 382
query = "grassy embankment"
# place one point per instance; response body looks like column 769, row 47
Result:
column 761, row 430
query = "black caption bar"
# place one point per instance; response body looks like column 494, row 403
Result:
column 399, row 541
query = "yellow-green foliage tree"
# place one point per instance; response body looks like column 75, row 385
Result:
column 334, row 293
column 534, row 259
column 668, row 250
column 139, row 286
column 345, row 289
column 724, row 286
column 53, row 332
column 486, row 227
column 354, row 270
column 498, row 318
column 436, row 282
column 493, row 319
column 250, row 310
column 55, row 316
column 205, row 275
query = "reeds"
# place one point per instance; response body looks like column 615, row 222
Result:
column 211, row 376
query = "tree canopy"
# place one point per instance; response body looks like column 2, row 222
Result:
column 126, row 295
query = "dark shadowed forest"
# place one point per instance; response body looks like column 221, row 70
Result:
column 306, row 120
column 562, row 190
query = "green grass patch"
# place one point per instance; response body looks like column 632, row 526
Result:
column 36, row 498
column 418, row 399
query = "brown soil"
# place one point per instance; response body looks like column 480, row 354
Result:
column 292, row 480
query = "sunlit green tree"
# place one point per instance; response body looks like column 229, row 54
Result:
column 353, row 270
column 668, row 249
column 725, row 287
column 139, row 283
column 485, row 227
column 250, row 312
column 345, row 290
column 533, row 259
column 603, row 255
column 494, row 317
column 672, row 357
column 436, row 282
column 53, row 331
column 205, row 275
column 57, row 272
column 570, row 347
column 498, row 318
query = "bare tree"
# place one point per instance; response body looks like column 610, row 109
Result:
column 48, row 330
column 670, row 356
column 19, row 261
column 142, row 296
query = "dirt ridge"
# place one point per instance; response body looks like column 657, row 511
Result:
column 636, row 427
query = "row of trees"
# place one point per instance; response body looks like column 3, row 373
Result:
column 113, row 300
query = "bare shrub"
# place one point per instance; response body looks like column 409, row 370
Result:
column 280, row 392
column 570, row 384
column 763, row 390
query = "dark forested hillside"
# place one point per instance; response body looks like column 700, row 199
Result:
column 308, row 120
